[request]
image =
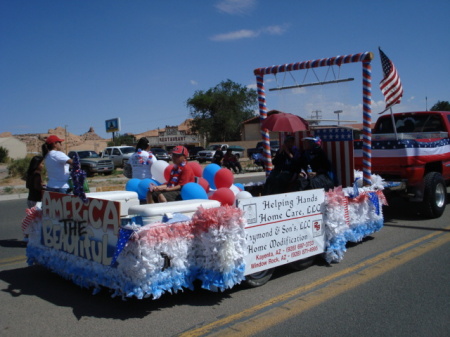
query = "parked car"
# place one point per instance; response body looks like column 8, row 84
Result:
column 118, row 154
column 193, row 151
column 92, row 163
column 160, row 154
column 208, row 153
column 274, row 146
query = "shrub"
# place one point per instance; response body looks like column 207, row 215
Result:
column 3, row 154
column 19, row 167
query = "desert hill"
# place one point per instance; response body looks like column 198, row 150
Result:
column 87, row 141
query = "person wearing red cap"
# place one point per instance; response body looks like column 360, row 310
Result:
column 180, row 175
column 57, row 164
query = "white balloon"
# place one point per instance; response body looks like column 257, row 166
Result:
column 244, row 195
column 235, row 189
column 157, row 170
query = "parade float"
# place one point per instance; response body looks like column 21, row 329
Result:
column 219, row 235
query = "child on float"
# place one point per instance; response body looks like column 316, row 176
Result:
column 180, row 175
column 34, row 181
column 142, row 160
column 57, row 164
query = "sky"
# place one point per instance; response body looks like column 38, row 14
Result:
column 76, row 64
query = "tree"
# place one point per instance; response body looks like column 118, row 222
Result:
column 125, row 139
column 218, row 112
column 441, row 106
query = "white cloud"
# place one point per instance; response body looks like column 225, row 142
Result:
column 248, row 33
column 237, row 35
column 193, row 82
column 234, row 7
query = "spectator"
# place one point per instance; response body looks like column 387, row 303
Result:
column 218, row 156
column 231, row 162
column 180, row 175
column 57, row 164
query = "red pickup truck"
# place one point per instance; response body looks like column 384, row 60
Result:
column 414, row 156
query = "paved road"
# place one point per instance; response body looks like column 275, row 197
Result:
column 395, row 283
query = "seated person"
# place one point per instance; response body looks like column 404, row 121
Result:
column 314, row 159
column 258, row 158
column 180, row 175
column 231, row 162
column 284, row 173
column 218, row 156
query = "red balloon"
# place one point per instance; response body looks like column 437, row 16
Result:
column 196, row 167
column 203, row 183
column 167, row 171
column 224, row 195
column 223, row 178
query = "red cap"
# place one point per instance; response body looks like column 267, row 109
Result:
column 53, row 139
column 180, row 150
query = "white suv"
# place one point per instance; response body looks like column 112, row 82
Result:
column 118, row 154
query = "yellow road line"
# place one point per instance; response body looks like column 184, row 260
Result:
column 285, row 306
column 12, row 260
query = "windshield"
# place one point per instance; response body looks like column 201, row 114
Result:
column 159, row 151
column 411, row 123
column 213, row 147
column 87, row 154
column 128, row 149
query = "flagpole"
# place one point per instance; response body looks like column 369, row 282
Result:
column 393, row 123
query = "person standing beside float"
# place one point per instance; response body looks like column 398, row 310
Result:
column 180, row 175
column 142, row 160
column 57, row 164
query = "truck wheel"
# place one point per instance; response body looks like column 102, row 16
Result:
column 303, row 263
column 259, row 279
column 434, row 195
column 88, row 171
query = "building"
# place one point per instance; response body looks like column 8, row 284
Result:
column 16, row 148
column 171, row 136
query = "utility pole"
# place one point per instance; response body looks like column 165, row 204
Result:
column 337, row 112
column 65, row 136
column 316, row 116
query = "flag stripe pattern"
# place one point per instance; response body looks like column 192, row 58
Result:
column 390, row 85
column 338, row 146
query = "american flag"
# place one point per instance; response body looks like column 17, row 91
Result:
column 390, row 85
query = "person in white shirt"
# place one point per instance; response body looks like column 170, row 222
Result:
column 142, row 160
column 57, row 164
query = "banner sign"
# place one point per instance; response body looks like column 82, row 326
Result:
column 112, row 125
column 283, row 228
column 88, row 230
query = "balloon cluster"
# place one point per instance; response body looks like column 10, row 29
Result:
column 212, row 182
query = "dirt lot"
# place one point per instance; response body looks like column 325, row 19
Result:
column 12, row 185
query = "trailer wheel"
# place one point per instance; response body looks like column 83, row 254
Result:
column 434, row 196
column 303, row 263
column 259, row 279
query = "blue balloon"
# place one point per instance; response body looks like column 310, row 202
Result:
column 240, row 186
column 132, row 185
column 193, row 191
column 143, row 186
column 209, row 172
